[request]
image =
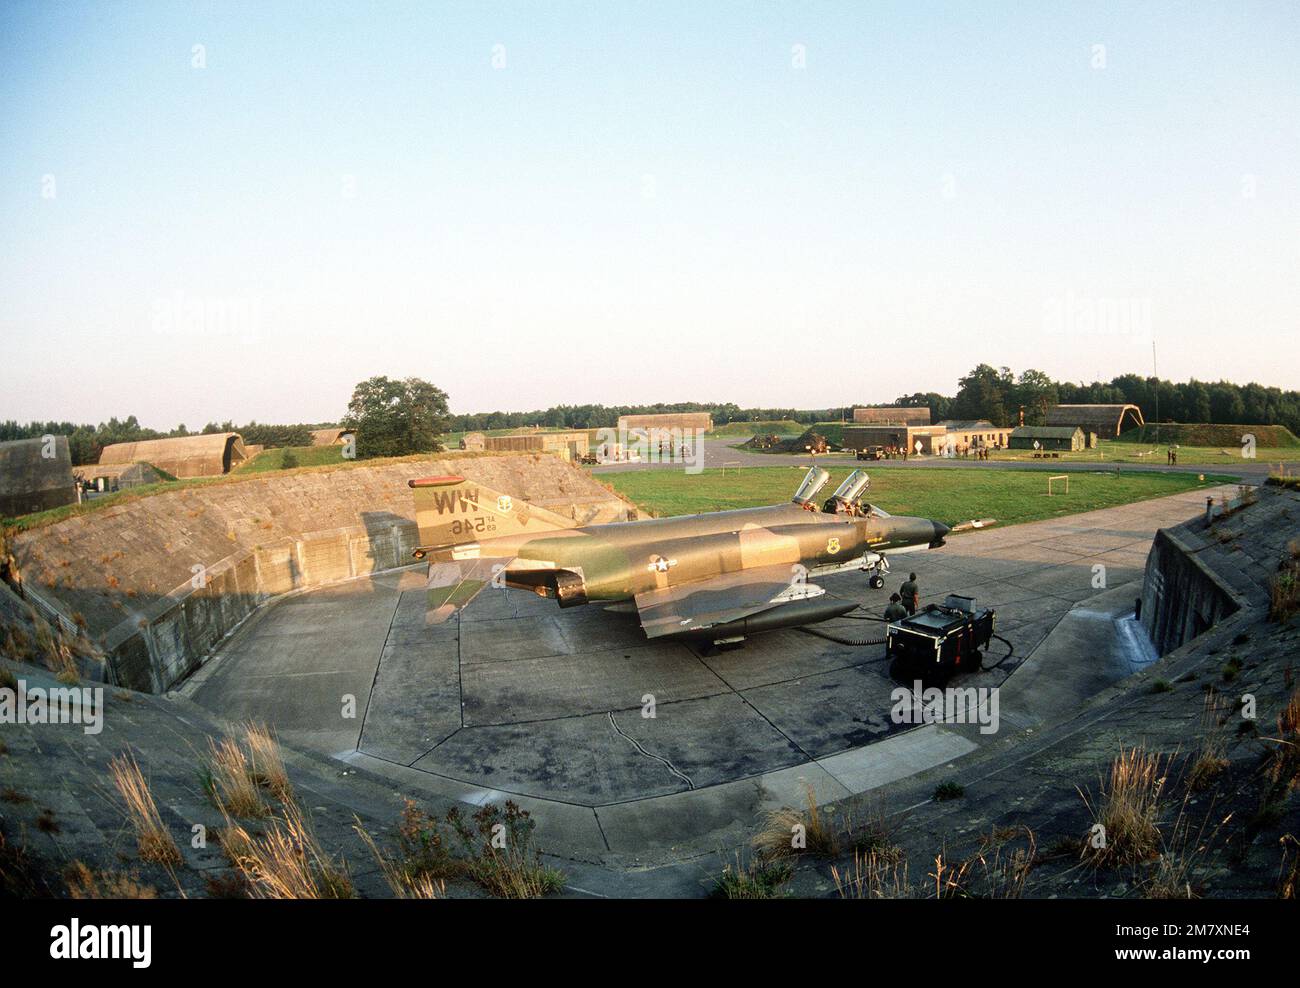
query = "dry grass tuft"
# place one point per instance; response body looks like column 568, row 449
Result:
column 790, row 831
column 83, row 883
column 266, row 765
column 19, row 875
column 56, row 653
column 1003, row 862
column 1176, row 870
column 1170, row 880
column 226, row 885
column 229, row 780
column 1209, row 765
column 1284, row 770
column 999, row 868
column 1284, row 587
column 152, row 839
column 285, row 862
column 405, row 882
column 1129, row 810
column 17, row 644
column 1211, row 760
column 1289, row 885
column 874, row 876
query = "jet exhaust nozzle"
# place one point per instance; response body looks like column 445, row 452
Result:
column 570, row 589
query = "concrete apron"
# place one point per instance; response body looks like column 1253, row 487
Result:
column 1094, row 645
column 1091, row 648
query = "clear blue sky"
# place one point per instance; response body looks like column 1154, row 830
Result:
column 646, row 202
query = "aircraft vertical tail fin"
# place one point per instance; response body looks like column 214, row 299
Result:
column 453, row 511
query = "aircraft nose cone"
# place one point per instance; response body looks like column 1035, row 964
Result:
column 940, row 530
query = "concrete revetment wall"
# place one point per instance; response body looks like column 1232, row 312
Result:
column 35, row 475
column 1180, row 598
column 1202, row 571
column 160, row 580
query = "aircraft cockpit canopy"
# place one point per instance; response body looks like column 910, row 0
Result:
column 813, row 482
column 847, row 494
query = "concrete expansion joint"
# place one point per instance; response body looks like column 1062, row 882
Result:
column 650, row 754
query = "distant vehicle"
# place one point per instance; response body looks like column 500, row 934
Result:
column 936, row 643
column 872, row 453
column 717, row 576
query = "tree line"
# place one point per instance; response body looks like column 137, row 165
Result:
column 86, row 442
column 606, row 416
column 400, row 417
column 997, row 394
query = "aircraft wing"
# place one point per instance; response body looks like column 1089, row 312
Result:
column 691, row 606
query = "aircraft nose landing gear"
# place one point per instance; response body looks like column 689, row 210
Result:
column 877, row 566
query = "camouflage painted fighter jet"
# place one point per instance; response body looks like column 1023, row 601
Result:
column 716, row 576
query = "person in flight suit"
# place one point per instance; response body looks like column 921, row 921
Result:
column 909, row 592
column 895, row 610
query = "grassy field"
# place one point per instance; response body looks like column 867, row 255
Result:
column 949, row 496
column 744, row 430
column 1113, row 451
column 452, row 439
column 1210, row 434
column 1110, row 452
column 308, row 456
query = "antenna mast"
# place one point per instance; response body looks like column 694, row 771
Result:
column 1155, row 374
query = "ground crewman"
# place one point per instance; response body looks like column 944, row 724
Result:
column 910, row 593
column 895, row 611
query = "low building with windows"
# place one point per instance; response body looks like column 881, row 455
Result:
column 1049, row 437
column 976, row 434
column 930, row 437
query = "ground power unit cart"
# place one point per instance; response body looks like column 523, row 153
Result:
column 937, row 643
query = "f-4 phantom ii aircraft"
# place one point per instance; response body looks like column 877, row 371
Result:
column 718, row 576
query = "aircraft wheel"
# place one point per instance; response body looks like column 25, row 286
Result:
column 876, row 582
